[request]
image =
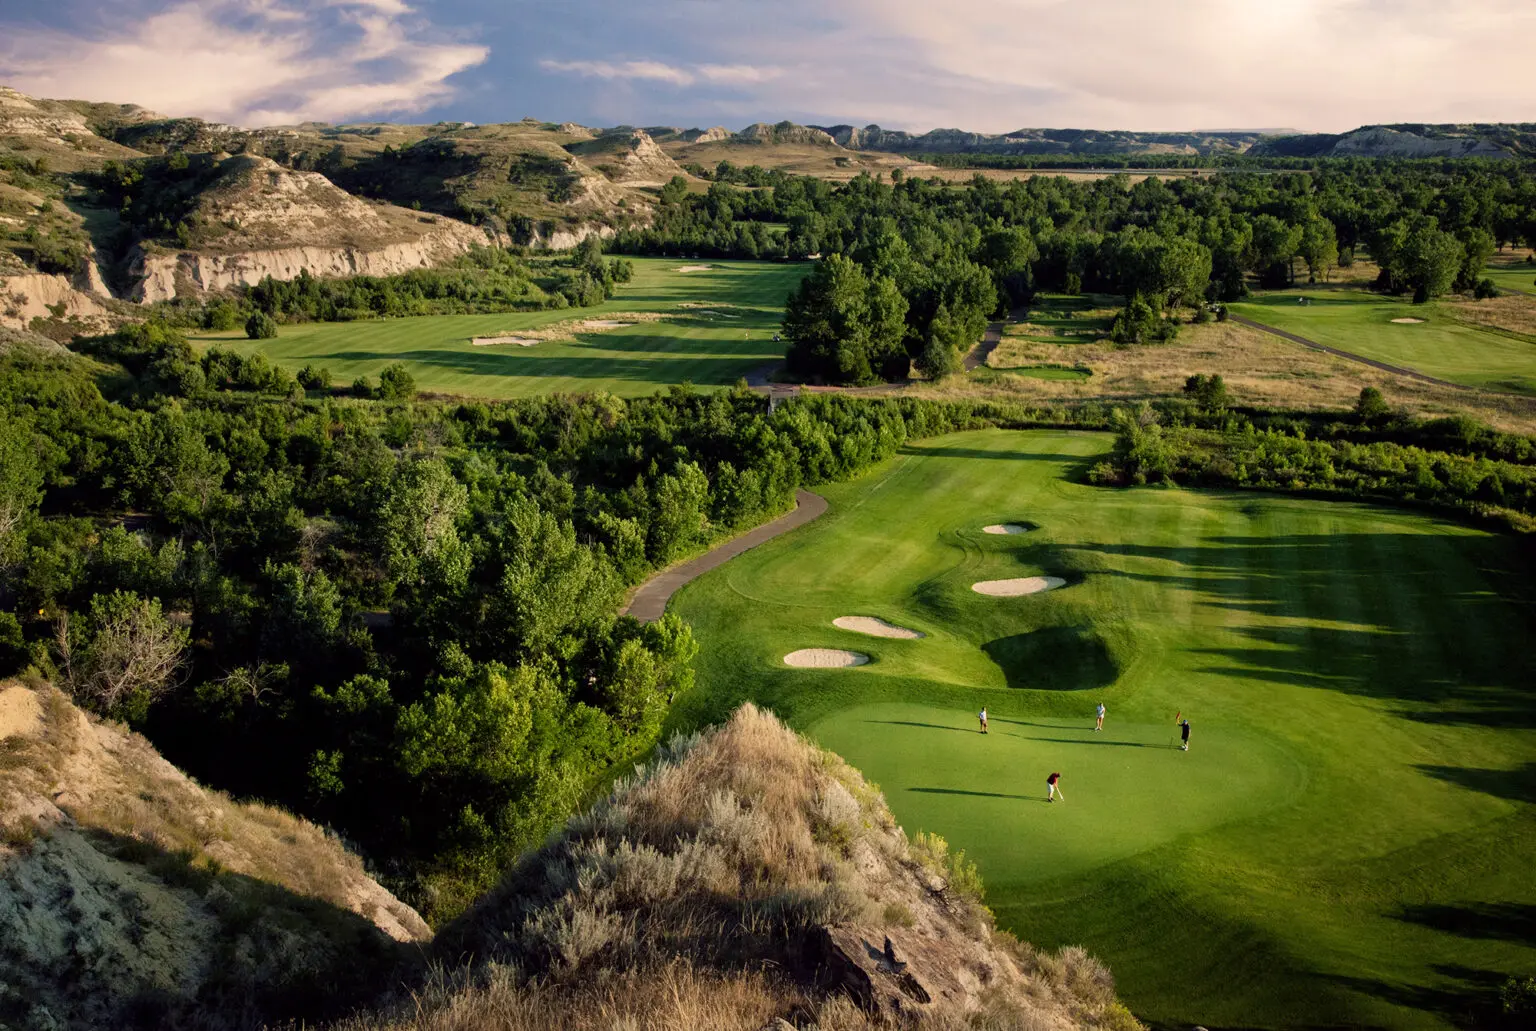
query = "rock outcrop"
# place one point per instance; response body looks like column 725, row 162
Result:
column 784, row 132
column 130, row 896
column 37, row 295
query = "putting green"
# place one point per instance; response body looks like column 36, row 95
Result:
column 1126, row 789
column 1350, row 839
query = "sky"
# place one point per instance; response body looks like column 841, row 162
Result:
column 981, row 65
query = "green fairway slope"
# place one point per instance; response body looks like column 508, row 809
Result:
column 719, row 327
column 1439, row 346
column 1349, row 840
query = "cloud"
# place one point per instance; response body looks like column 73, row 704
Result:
column 997, row 65
column 656, row 71
column 249, row 62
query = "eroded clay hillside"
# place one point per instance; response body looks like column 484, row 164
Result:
column 132, row 897
column 746, row 879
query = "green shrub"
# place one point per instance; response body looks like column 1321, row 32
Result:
column 396, row 383
column 261, row 326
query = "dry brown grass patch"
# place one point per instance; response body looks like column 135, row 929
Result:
column 1260, row 369
column 1508, row 313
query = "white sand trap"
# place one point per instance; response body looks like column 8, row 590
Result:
column 823, row 658
column 876, row 627
column 604, row 324
column 1016, row 587
column 695, row 268
column 1000, row 528
column 1407, row 321
column 520, row 341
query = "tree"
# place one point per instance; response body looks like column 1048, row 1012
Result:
column 311, row 378
column 1209, row 392
column 1139, row 323
column 1275, row 243
column 827, row 323
column 121, row 657
column 396, row 382
column 1432, row 258
column 1371, row 406
column 418, row 522
column 261, row 326
column 1478, row 245
column 1319, row 247
column 21, row 482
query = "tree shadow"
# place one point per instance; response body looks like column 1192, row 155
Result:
column 1472, row 1003
column 1517, row 785
column 1497, row 921
column 1353, row 613
column 1055, row 658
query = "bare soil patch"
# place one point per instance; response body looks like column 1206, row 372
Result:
column 20, row 712
column 1018, row 586
column 876, row 627
column 825, row 658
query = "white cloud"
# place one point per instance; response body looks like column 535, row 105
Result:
column 996, row 65
column 656, row 71
column 248, row 61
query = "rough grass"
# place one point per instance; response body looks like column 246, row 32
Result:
column 1350, row 839
column 704, row 892
column 693, row 339
column 1260, row 370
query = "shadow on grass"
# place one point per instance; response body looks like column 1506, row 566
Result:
column 1518, row 785
column 924, row 726
column 1056, row 658
column 1472, row 1003
column 978, row 794
column 1498, row 921
column 1435, row 625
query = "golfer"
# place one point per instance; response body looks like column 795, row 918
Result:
column 1053, row 788
column 1184, row 734
column 982, row 715
column 1100, row 724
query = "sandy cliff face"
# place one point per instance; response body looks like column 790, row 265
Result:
column 161, row 277
column 34, row 295
column 130, row 894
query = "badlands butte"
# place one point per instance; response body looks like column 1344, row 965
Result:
column 380, row 199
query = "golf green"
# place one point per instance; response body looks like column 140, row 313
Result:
column 718, row 326
column 1350, row 839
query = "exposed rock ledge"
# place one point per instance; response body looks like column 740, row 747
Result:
column 162, row 277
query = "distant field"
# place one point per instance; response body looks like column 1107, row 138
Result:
column 1513, row 273
column 718, row 326
column 1445, row 345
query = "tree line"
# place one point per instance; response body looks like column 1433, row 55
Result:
column 958, row 254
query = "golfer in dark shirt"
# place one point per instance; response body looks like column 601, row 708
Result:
column 1184, row 733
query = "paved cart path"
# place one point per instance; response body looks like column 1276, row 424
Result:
column 650, row 599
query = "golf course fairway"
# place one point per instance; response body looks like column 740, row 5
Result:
column 1351, row 838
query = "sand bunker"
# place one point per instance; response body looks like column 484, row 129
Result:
column 604, row 324
column 1409, row 321
column 823, row 658
column 1020, row 585
column 876, row 627
column 695, row 268
column 1005, row 528
column 520, row 341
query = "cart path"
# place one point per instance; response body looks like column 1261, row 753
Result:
column 650, row 599
column 1373, row 363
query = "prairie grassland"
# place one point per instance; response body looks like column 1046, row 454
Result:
column 1260, row 369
